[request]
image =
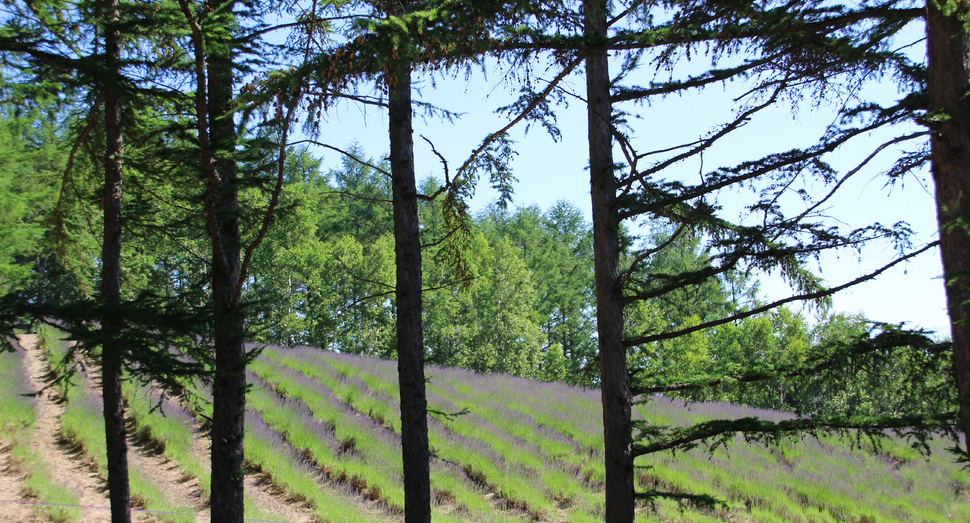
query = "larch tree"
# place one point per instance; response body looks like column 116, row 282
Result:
column 948, row 118
column 218, row 37
column 786, row 50
column 407, row 287
column 112, row 355
column 217, row 139
column 80, row 52
column 614, row 376
column 437, row 34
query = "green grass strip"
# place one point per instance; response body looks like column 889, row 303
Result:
column 299, row 484
column 17, row 419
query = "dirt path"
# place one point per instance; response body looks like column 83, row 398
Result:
column 179, row 490
column 259, row 492
column 68, row 466
column 12, row 491
column 63, row 462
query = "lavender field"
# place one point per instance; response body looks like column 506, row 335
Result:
column 526, row 450
column 323, row 429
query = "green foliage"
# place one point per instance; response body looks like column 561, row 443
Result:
column 557, row 249
column 28, row 165
column 17, row 418
column 325, row 279
column 523, row 301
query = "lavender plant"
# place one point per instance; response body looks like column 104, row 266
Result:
column 17, row 418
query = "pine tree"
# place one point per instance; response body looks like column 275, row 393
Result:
column 786, row 49
column 112, row 352
column 948, row 117
column 217, row 33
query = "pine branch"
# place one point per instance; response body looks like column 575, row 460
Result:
column 716, row 433
column 640, row 340
column 822, row 358
column 202, row 123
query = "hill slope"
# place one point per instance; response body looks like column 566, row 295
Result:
column 323, row 431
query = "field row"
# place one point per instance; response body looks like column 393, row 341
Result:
column 538, row 447
column 324, row 429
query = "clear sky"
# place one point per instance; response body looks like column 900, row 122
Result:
column 549, row 171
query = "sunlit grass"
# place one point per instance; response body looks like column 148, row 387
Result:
column 266, row 451
column 377, row 403
column 313, row 386
column 17, row 418
column 325, row 428
column 338, row 452
column 169, row 426
column 83, row 425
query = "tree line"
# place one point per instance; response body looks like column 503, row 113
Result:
column 156, row 198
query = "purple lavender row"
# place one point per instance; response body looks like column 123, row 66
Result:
column 348, row 416
column 476, row 443
column 383, row 370
column 288, row 468
column 298, row 410
column 17, row 379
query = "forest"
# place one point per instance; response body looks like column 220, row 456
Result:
column 165, row 206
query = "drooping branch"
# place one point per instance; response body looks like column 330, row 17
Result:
column 274, row 196
column 822, row 358
column 352, row 156
column 536, row 101
column 717, row 433
column 66, row 176
column 202, row 127
column 640, row 340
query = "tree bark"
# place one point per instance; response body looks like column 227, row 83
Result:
column 614, row 378
column 229, row 382
column 410, row 336
column 112, row 352
column 948, row 78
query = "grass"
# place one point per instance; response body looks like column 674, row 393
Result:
column 341, row 404
column 486, row 443
column 269, row 453
column 324, row 428
column 535, row 444
column 83, row 426
column 169, row 427
column 17, row 418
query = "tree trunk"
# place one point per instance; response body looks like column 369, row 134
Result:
column 614, row 377
column 229, row 383
column 947, row 83
column 112, row 353
column 410, row 337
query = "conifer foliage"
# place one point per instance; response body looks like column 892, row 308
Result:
column 194, row 105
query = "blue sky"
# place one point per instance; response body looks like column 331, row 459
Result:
column 549, row 171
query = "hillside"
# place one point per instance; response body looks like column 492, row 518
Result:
column 322, row 445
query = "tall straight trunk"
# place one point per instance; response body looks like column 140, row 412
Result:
column 410, row 337
column 948, row 53
column 229, row 383
column 614, row 377
column 112, row 353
